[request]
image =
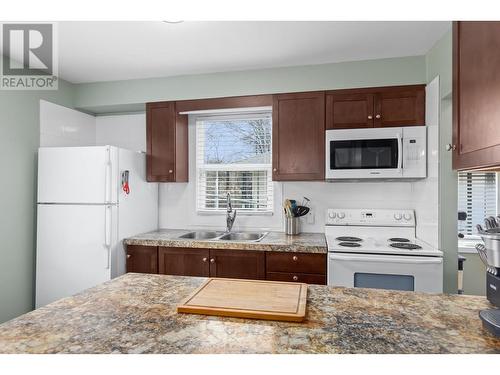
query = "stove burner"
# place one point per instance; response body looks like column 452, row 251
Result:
column 406, row 246
column 349, row 239
column 399, row 239
column 350, row 244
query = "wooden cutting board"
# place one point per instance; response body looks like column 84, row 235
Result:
column 256, row 299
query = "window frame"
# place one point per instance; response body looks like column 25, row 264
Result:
column 221, row 116
column 468, row 243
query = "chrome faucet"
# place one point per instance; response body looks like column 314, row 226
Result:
column 230, row 218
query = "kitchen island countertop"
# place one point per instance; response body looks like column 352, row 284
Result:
column 273, row 241
column 136, row 313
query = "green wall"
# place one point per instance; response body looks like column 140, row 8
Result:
column 19, row 141
column 119, row 96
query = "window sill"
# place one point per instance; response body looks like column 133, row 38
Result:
column 240, row 213
column 468, row 246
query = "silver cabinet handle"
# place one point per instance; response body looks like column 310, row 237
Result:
column 295, row 258
column 170, row 171
column 370, row 117
column 378, row 116
column 129, row 256
column 295, row 277
column 275, row 170
column 212, row 260
column 205, row 259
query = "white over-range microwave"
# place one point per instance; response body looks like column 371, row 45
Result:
column 399, row 152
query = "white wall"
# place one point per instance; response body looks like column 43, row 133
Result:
column 126, row 131
column 62, row 126
column 426, row 192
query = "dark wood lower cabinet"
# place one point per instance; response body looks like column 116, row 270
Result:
column 228, row 263
column 142, row 259
column 183, row 261
column 238, row 264
column 307, row 278
column 296, row 262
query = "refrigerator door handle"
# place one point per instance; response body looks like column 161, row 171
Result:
column 107, row 234
column 107, row 179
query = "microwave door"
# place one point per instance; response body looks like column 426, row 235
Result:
column 365, row 158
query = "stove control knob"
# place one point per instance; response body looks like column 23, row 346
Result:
column 407, row 217
column 331, row 215
column 341, row 215
column 397, row 216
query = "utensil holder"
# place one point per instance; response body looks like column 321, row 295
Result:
column 292, row 226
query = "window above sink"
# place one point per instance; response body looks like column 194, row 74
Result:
column 233, row 155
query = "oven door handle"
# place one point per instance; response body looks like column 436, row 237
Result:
column 387, row 259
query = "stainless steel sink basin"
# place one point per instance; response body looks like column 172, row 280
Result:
column 243, row 236
column 201, row 235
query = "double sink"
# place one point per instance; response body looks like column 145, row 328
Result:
column 225, row 236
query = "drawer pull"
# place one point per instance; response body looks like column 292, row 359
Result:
column 128, row 256
column 212, row 260
column 295, row 278
column 295, row 258
column 205, row 259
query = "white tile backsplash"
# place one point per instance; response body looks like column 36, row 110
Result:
column 126, row 131
column 62, row 126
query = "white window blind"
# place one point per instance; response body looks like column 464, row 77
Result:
column 477, row 196
column 233, row 155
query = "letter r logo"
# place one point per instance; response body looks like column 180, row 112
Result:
column 29, row 49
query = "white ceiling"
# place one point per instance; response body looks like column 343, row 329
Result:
column 104, row 51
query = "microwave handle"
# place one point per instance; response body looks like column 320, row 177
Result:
column 387, row 259
column 400, row 152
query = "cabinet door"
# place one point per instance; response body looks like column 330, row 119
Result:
column 346, row 111
column 400, row 106
column 167, row 143
column 476, row 95
column 299, row 136
column 237, row 264
column 183, row 261
column 142, row 259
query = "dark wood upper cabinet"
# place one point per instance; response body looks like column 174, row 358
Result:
column 299, row 136
column 167, row 143
column 142, row 259
column 375, row 107
column 238, row 264
column 400, row 106
column 347, row 111
column 476, row 95
column 183, row 261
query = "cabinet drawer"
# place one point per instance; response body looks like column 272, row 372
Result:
column 296, row 262
column 297, row 277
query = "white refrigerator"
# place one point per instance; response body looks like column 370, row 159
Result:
column 84, row 213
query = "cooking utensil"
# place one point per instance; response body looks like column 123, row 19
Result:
column 302, row 211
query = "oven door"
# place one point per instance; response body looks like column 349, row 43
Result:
column 364, row 153
column 396, row 272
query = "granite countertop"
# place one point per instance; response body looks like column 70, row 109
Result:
column 136, row 313
column 273, row 241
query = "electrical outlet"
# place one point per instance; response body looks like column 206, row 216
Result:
column 310, row 217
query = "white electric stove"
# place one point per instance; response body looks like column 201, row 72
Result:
column 376, row 248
